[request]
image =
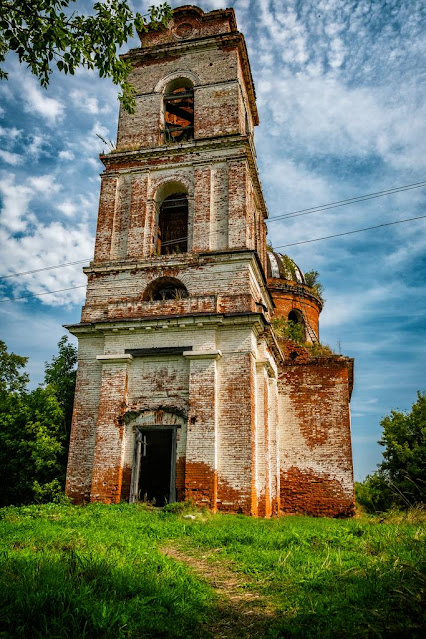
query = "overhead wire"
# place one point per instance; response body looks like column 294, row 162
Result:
column 353, row 200
column 24, row 297
column 44, row 268
column 367, row 228
column 346, row 202
column 317, row 239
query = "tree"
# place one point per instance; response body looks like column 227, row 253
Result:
column 404, row 457
column 60, row 375
column 32, row 440
column 47, row 33
column 11, row 380
column 400, row 480
column 311, row 279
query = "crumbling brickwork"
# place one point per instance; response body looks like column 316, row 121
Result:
column 176, row 351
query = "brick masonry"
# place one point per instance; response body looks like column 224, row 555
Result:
column 255, row 429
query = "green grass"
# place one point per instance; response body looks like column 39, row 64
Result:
column 98, row 571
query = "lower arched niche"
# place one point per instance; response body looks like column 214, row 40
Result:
column 154, row 456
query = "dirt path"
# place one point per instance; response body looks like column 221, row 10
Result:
column 241, row 612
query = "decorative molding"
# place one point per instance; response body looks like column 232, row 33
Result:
column 156, row 351
column 216, row 354
column 115, row 358
column 269, row 368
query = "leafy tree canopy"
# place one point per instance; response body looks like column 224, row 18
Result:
column 11, row 378
column 32, row 437
column 60, row 375
column 401, row 477
column 51, row 33
column 404, row 457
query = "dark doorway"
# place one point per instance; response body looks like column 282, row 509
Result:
column 153, row 477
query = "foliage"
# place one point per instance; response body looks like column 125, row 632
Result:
column 288, row 268
column 316, row 349
column 287, row 329
column 48, row 33
column 401, row 477
column 31, row 437
column 30, row 446
column 60, row 375
column 374, row 494
column 311, row 280
column 404, row 457
column 11, row 379
column 99, row 571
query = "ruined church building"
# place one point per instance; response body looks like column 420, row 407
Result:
column 184, row 390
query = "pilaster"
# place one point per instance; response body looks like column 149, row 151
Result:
column 201, row 447
column 108, row 457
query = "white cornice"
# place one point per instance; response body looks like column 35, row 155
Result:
column 216, row 354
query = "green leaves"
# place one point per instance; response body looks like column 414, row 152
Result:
column 60, row 375
column 44, row 36
column 32, row 434
column 11, row 379
column 401, row 477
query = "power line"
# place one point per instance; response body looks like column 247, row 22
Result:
column 322, row 207
column 24, row 297
column 317, row 239
column 368, row 228
column 352, row 200
column 44, row 268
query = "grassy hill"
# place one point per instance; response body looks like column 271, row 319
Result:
column 130, row 571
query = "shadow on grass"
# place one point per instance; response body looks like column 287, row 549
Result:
column 77, row 595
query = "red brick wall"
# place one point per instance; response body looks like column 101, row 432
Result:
column 286, row 300
column 316, row 457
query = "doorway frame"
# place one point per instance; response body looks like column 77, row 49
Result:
column 137, row 460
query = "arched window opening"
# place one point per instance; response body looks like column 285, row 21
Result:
column 173, row 225
column 165, row 288
column 179, row 111
column 296, row 317
column 296, row 326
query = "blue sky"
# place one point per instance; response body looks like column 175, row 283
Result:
column 340, row 89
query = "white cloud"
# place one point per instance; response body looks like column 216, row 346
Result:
column 16, row 197
column 66, row 155
column 36, row 101
column 47, row 245
column 322, row 116
column 67, row 208
column 88, row 103
column 11, row 133
column 35, row 148
column 45, row 184
column 11, row 158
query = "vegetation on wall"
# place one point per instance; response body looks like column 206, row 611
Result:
column 287, row 329
column 400, row 480
column 311, row 280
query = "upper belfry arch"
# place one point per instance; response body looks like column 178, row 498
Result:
column 205, row 49
column 176, row 75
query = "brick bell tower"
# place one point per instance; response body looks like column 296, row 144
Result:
column 177, row 378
